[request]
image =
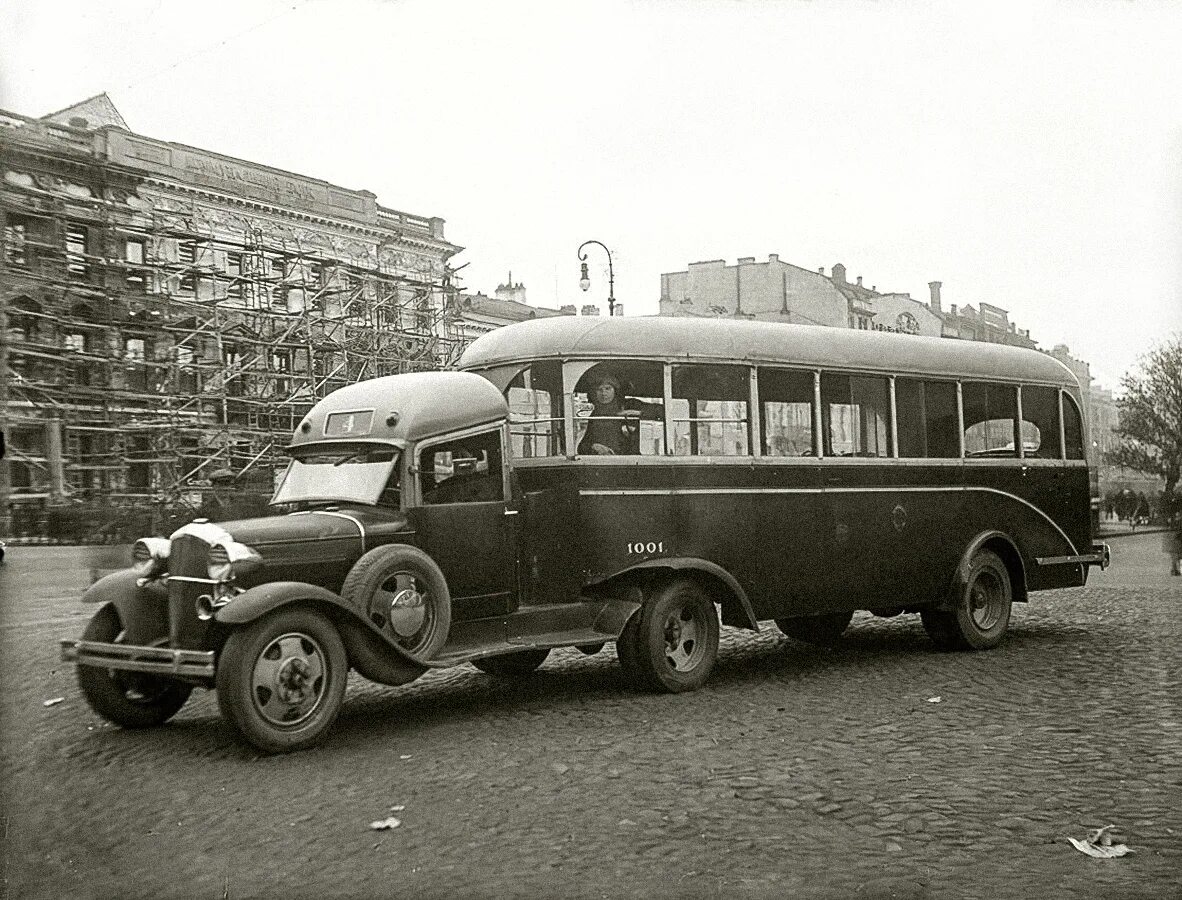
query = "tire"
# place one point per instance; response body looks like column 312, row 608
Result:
column 513, row 665
column 281, row 679
column 402, row 591
column 129, row 699
column 980, row 614
column 675, row 640
column 822, row 630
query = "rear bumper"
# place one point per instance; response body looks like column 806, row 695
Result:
column 157, row 660
column 1100, row 556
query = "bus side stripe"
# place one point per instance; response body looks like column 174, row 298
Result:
column 675, row 492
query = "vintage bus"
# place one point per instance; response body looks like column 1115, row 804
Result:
column 585, row 481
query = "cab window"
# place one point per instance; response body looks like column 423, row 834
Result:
column 619, row 409
column 465, row 470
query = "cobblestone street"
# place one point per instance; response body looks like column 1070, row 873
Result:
column 879, row 768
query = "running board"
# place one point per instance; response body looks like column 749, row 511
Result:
column 565, row 625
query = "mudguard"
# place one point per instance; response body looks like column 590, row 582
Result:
column 746, row 619
column 143, row 611
column 1002, row 544
column 364, row 641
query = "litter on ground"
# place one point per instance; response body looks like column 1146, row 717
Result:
column 1099, row 844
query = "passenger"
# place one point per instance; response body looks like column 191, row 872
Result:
column 614, row 425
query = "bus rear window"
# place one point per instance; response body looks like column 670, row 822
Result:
column 1040, row 422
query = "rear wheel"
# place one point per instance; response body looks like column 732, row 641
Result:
column 671, row 643
column 130, row 699
column 980, row 614
column 823, row 629
column 281, row 679
column 513, row 665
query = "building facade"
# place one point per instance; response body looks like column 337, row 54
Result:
column 168, row 312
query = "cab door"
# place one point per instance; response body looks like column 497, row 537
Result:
column 463, row 521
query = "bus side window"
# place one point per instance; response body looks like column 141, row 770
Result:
column 990, row 414
column 1072, row 428
column 710, row 410
column 926, row 416
column 1040, row 422
column 855, row 411
column 786, row 412
column 535, row 410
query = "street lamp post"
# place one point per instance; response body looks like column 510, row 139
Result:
column 585, row 280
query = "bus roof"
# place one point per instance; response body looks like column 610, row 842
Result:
column 397, row 409
column 739, row 340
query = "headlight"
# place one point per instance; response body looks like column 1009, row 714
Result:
column 149, row 556
column 230, row 558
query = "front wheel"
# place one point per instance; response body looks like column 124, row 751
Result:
column 513, row 665
column 130, row 699
column 671, row 643
column 823, row 630
column 281, row 679
column 981, row 610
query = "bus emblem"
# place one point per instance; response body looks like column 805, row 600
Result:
column 899, row 517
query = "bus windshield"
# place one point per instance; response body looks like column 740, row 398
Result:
column 361, row 475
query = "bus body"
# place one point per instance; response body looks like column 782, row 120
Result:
column 585, row 481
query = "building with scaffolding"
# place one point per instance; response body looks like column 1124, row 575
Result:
column 168, row 314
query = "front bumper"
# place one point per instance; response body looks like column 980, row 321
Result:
column 127, row 657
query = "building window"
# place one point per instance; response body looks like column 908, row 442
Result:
column 234, row 273
column 134, row 349
column 186, row 255
column 77, row 237
column 16, row 236
column 281, row 365
column 75, row 342
column 133, row 253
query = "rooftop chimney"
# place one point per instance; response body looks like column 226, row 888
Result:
column 859, row 281
column 590, row 309
column 935, row 286
column 773, row 257
column 820, row 270
column 746, row 259
column 839, row 273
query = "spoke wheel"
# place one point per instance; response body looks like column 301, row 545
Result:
column 513, row 665
column 671, row 643
column 823, row 630
column 281, row 679
column 130, row 699
column 981, row 612
column 401, row 590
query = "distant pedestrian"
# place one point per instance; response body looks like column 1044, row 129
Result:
column 1171, row 540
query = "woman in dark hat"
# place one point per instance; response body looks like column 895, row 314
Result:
column 612, row 427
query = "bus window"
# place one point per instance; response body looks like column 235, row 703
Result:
column 990, row 414
column 926, row 415
column 786, row 411
column 1040, row 422
column 619, row 409
column 710, row 410
column 535, row 410
column 1072, row 428
column 855, row 410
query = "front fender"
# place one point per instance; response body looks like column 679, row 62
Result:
column 743, row 616
column 143, row 611
column 370, row 651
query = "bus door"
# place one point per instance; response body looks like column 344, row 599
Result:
column 465, row 524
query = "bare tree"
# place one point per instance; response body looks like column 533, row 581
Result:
column 1150, row 424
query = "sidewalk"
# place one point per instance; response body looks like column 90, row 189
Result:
column 1123, row 529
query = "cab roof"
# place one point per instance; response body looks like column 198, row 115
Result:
column 398, row 409
column 745, row 341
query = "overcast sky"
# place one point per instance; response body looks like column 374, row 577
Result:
column 1025, row 155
